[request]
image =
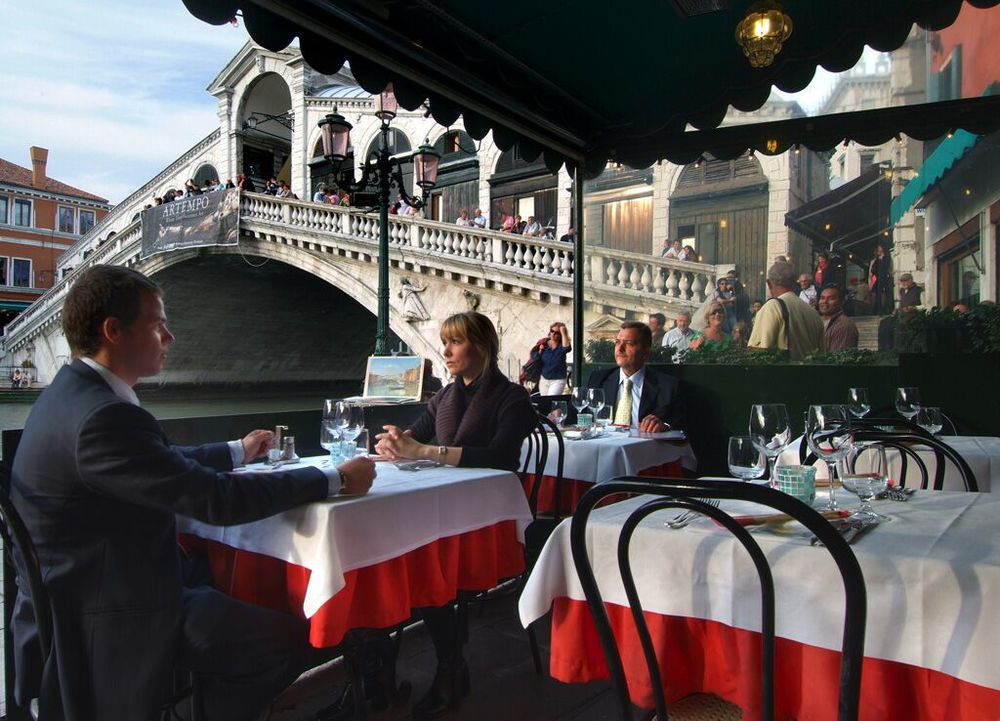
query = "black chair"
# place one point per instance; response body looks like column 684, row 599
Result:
column 17, row 544
column 908, row 444
column 543, row 404
column 671, row 493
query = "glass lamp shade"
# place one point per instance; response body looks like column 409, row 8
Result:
column 336, row 136
column 425, row 166
column 762, row 32
column 387, row 104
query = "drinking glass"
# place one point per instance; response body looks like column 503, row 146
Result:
column 770, row 431
column 558, row 412
column 829, row 435
column 866, row 484
column 579, row 398
column 330, row 408
column 595, row 399
column 336, row 412
column 329, row 436
column 354, row 416
column 857, row 402
column 603, row 418
column 362, row 444
column 908, row 402
column 746, row 461
column 929, row 418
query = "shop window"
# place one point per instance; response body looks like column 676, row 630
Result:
column 21, row 272
column 66, row 219
column 960, row 277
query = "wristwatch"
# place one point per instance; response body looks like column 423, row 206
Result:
column 442, row 451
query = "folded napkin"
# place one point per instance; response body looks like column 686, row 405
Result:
column 784, row 517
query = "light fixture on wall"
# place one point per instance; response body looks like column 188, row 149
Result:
column 762, row 31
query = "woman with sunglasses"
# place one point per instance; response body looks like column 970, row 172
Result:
column 553, row 351
column 714, row 335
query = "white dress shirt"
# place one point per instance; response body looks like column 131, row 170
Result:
column 637, row 378
column 236, row 451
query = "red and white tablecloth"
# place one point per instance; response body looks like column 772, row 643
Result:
column 413, row 540
column 931, row 648
column 586, row 462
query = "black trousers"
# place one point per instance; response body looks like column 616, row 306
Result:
column 442, row 626
column 243, row 655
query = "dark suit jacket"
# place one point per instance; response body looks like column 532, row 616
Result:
column 98, row 486
column 661, row 395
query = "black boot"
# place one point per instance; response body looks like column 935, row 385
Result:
column 451, row 683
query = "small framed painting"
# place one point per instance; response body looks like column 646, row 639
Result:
column 394, row 377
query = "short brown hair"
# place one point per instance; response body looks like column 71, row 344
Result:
column 478, row 330
column 645, row 334
column 104, row 291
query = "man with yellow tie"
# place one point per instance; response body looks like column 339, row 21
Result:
column 641, row 397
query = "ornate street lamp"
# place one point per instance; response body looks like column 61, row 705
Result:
column 384, row 171
column 762, row 32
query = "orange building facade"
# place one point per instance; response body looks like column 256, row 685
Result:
column 39, row 219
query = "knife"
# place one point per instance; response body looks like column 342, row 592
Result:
column 855, row 532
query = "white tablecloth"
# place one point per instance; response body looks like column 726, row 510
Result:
column 402, row 512
column 932, row 574
column 982, row 453
column 617, row 454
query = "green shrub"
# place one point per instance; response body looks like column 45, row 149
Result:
column 603, row 351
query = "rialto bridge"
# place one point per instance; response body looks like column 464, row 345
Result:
column 295, row 300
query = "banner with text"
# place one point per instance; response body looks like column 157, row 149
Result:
column 208, row 219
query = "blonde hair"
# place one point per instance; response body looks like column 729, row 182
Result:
column 478, row 330
column 712, row 307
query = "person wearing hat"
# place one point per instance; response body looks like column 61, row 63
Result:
column 909, row 292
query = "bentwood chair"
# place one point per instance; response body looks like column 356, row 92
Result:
column 700, row 496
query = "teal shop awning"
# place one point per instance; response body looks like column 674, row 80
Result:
column 937, row 164
column 15, row 305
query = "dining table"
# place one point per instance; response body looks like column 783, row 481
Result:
column 365, row 561
column 982, row 453
column 932, row 573
column 615, row 452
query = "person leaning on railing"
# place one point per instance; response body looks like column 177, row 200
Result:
column 479, row 420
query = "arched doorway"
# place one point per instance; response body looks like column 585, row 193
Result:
column 719, row 207
column 618, row 209
column 205, row 173
column 266, row 122
column 523, row 187
column 458, row 176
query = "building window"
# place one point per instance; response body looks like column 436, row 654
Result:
column 3, row 270
column 866, row 159
column 22, row 212
column 86, row 221
column 4, row 201
column 21, row 272
column 66, row 224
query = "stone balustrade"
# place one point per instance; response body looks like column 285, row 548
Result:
column 664, row 278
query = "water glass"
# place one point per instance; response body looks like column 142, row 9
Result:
column 857, row 402
column 595, row 399
column 362, row 443
column 770, row 431
column 603, row 417
column 353, row 421
column 746, row 461
column 579, row 398
column 585, row 420
column 908, row 402
column 929, row 418
column 558, row 412
column 329, row 437
column 866, row 482
column 829, row 435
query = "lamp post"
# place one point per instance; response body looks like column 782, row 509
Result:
column 385, row 171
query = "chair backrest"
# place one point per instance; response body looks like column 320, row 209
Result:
column 25, row 563
column 558, row 448
column 668, row 493
column 543, row 404
column 908, row 444
column 535, row 460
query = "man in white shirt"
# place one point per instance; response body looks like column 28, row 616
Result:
column 480, row 219
column 533, row 229
column 676, row 251
column 807, row 291
column 320, row 195
column 680, row 336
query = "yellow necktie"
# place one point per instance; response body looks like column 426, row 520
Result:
column 623, row 413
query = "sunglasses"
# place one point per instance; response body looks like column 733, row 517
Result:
column 718, row 312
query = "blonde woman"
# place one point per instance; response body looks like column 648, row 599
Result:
column 715, row 334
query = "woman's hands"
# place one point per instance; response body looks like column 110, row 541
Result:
column 395, row 444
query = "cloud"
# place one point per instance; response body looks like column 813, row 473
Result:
column 115, row 93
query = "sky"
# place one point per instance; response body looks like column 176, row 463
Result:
column 117, row 94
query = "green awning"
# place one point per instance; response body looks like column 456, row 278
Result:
column 16, row 305
column 937, row 164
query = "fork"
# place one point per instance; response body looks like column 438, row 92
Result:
column 690, row 516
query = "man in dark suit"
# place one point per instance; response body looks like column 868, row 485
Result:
column 654, row 401
column 98, row 485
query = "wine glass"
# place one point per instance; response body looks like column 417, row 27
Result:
column 908, row 402
column 558, row 412
column 354, row 421
column 770, row 431
column 829, row 435
column 579, row 398
column 330, row 408
column 603, row 418
column 746, row 461
column 329, row 436
column 857, row 402
column 595, row 399
column 929, row 418
column 866, row 485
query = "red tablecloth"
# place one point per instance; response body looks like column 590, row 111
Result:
column 573, row 490
column 698, row 655
column 376, row 596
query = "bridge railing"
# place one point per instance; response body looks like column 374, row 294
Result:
column 673, row 280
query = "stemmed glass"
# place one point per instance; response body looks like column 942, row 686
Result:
column 557, row 413
column 579, row 398
column 329, row 436
column 829, row 435
column 603, row 418
column 770, row 431
column 746, row 461
column 866, row 485
column 929, row 418
column 353, row 420
column 330, row 408
column 908, row 402
column 857, row 402
column 595, row 399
